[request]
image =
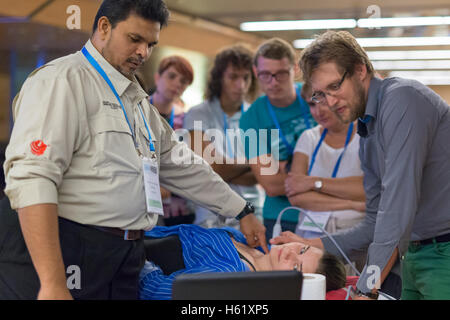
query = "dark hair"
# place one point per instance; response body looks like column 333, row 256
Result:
column 334, row 271
column 275, row 49
column 306, row 94
column 238, row 56
column 119, row 10
column 180, row 64
column 338, row 47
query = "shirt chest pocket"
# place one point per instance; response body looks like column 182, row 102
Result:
column 114, row 146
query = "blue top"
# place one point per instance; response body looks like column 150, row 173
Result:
column 204, row 250
column 293, row 120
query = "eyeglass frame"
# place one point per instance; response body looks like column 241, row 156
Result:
column 320, row 96
column 273, row 75
column 302, row 251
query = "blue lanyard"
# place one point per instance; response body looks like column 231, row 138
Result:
column 99, row 69
column 277, row 124
column 225, row 127
column 172, row 114
column 338, row 163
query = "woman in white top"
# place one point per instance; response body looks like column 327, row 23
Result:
column 326, row 171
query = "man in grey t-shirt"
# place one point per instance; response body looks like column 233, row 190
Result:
column 405, row 151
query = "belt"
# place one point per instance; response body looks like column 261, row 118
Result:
column 442, row 238
column 124, row 234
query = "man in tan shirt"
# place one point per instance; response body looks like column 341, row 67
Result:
column 74, row 164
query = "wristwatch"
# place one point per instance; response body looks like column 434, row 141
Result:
column 248, row 209
column 369, row 295
column 318, row 184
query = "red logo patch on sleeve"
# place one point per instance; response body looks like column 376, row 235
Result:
column 38, row 147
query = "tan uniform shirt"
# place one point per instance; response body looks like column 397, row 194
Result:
column 72, row 146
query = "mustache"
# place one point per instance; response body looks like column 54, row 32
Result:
column 137, row 60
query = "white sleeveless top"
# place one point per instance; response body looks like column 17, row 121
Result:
column 326, row 159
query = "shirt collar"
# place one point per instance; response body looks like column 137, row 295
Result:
column 120, row 82
column 364, row 127
column 215, row 104
column 372, row 99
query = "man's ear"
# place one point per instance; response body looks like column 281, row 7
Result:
column 361, row 71
column 103, row 27
column 255, row 71
column 156, row 77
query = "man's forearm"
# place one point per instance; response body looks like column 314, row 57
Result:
column 229, row 172
column 389, row 266
column 274, row 181
column 39, row 225
column 245, row 179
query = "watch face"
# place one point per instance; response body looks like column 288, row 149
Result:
column 318, row 184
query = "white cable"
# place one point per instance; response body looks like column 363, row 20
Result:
column 277, row 228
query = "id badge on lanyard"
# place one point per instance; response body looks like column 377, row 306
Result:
column 151, row 185
column 149, row 166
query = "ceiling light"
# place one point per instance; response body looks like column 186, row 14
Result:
column 403, row 22
column 426, row 77
column 298, row 25
column 409, row 55
column 411, row 65
column 388, row 42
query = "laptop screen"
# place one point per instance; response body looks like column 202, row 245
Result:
column 267, row 285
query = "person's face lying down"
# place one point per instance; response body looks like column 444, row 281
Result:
column 296, row 255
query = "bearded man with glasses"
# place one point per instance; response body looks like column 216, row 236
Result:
column 404, row 150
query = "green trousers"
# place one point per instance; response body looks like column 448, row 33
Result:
column 426, row 272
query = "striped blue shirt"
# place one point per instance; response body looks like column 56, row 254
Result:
column 204, row 250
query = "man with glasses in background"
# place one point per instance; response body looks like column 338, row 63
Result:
column 281, row 109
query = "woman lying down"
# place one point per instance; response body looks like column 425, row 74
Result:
column 225, row 250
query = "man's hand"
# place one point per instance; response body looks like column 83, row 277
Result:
column 288, row 236
column 298, row 183
column 357, row 297
column 254, row 231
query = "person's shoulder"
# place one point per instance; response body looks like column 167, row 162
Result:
column 406, row 93
column 199, row 110
column 253, row 112
column 401, row 88
column 312, row 134
column 63, row 68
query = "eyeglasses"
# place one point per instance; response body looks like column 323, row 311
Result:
column 302, row 251
column 333, row 89
column 280, row 76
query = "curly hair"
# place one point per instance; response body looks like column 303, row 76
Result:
column 238, row 56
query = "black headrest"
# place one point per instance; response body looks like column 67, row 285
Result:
column 166, row 252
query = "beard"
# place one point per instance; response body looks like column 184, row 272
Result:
column 108, row 54
column 357, row 105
